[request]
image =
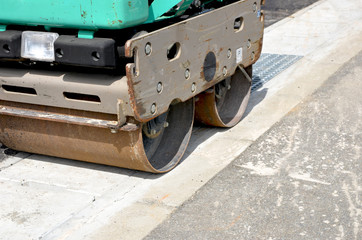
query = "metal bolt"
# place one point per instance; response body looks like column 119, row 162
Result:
column 187, row 73
column 114, row 130
column 197, row 3
column 153, row 132
column 193, row 87
column 166, row 124
column 153, row 108
column 255, row 7
column 224, row 71
column 248, row 44
column 148, row 49
column 252, row 56
column 159, row 87
column 229, row 87
column 229, row 53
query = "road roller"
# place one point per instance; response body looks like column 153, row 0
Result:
column 120, row 82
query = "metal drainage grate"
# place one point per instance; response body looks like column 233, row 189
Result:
column 270, row 65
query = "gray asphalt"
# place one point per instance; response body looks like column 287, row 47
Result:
column 276, row 10
column 300, row 180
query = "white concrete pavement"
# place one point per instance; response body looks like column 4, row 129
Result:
column 51, row 198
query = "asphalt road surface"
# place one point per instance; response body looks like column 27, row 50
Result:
column 276, row 10
column 300, row 180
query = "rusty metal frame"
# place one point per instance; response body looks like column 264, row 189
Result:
column 114, row 126
column 182, row 77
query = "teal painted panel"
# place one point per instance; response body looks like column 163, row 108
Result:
column 160, row 7
column 78, row 14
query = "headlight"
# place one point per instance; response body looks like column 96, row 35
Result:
column 38, row 45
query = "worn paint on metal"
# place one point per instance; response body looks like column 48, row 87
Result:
column 213, row 31
column 84, row 141
column 78, row 14
column 64, row 118
column 234, row 102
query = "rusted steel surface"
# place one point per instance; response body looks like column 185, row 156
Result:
column 17, row 112
column 91, row 143
column 63, row 118
column 236, row 27
column 228, row 110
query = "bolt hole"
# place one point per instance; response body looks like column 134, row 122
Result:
column 238, row 24
column 253, row 56
column 159, row 87
column 193, row 87
column 148, row 49
column 187, row 73
column 248, row 44
column 153, row 108
column 255, row 7
column 59, row 53
column 173, row 51
column 96, row 56
column 229, row 53
column 209, row 68
column 6, row 48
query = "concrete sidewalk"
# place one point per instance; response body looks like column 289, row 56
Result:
column 300, row 180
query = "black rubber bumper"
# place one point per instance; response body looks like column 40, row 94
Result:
column 70, row 50
column 96, row 52
column 10, row 44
